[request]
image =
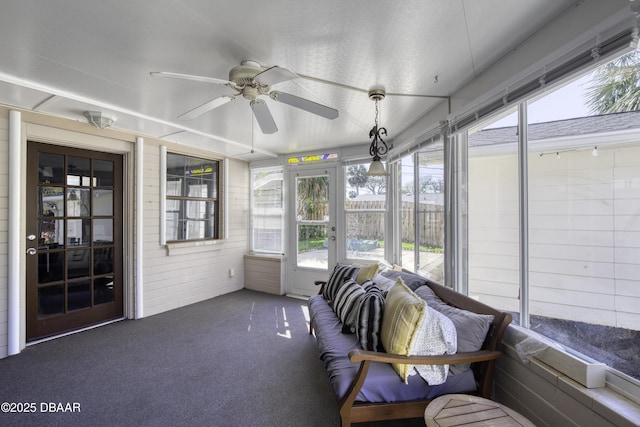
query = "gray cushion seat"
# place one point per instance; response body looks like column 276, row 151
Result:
column 382, row 384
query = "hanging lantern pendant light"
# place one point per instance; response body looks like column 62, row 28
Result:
column 378, row 145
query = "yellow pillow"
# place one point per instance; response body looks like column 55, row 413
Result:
column 367, row 272
column 404, row 313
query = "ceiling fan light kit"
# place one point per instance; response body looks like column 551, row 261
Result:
column 251, row 80
column 378, row 145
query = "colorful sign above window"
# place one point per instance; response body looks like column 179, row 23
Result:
column 314, row 158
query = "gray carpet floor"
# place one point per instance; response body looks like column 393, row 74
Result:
column 241, row 359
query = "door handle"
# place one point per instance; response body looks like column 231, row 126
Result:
column 333, row 238
column 31, row 251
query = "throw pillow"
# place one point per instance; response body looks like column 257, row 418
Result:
column 341, row 272
column 412, row 280
column 403, row 315
column 384, row 283
column 471, row 327
column 366, row 273
column 345, row 304
column 437, row 336
column 369, row 318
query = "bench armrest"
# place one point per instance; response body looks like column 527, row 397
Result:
column 322, row 284
column 357, row 356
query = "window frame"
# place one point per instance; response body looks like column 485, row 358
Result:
column 616, row 380
column 252, row 210
column 215, row 201
column 384, row 211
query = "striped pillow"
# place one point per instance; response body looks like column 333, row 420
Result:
column 369, row 319
column 346, row 304
column 339, row 275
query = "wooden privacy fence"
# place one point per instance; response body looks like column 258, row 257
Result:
column 370, row 225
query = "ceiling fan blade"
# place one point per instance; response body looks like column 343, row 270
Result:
column 274, row 75
column 190, row 77
column 305, row 104
column 207, row 106
column 263, row 116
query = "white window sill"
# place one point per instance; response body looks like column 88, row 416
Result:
column 583, row 381
column 182, row 248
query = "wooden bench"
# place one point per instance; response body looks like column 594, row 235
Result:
column 482, row 364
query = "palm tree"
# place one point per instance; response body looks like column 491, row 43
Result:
column 616, row 86
column 312, row 193
column 357, row 177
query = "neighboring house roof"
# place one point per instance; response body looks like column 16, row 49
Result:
column 570, row 127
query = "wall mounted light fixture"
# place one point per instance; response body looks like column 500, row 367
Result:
column 99, row 120
column 378, row 146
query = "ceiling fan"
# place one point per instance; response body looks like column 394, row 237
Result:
column 251, row 80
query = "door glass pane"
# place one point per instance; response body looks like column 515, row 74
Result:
column 50, row 168
column 78, row 232
column 313, row 247
column 51, row 300
column 50, row 201
column 102, row 202
column 312, row 198
column 51, row 233
column 103, row 260
column 312, row 207
column 78, row 263
column 78, row 201
column 102, row 231
column 50, row 266
column 103, row 173
column 79, row 295
column 103, row 290
column 78, row 171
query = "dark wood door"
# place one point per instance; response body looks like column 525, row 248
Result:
column 74, row 239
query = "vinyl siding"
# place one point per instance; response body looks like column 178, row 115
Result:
column 184, row 275
column 584, row 235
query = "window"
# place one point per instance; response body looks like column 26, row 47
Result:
column 422, row 229
column 365, row 208
column 192, row 198
column 267, row 210
column 583, row 188
column 494, row 221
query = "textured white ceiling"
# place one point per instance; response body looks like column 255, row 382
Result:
column 98, row 55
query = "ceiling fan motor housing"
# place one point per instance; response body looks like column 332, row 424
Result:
column 244, row 75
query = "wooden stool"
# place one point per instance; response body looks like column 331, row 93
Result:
column 463, row 409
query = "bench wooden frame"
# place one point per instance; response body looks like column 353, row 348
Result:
column 482, row 364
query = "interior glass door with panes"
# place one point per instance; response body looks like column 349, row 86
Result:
column 74, row 239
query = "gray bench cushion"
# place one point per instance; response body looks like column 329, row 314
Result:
column 383, row 384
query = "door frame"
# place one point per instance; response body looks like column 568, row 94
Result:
column 300, row 280
column 76, row 135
